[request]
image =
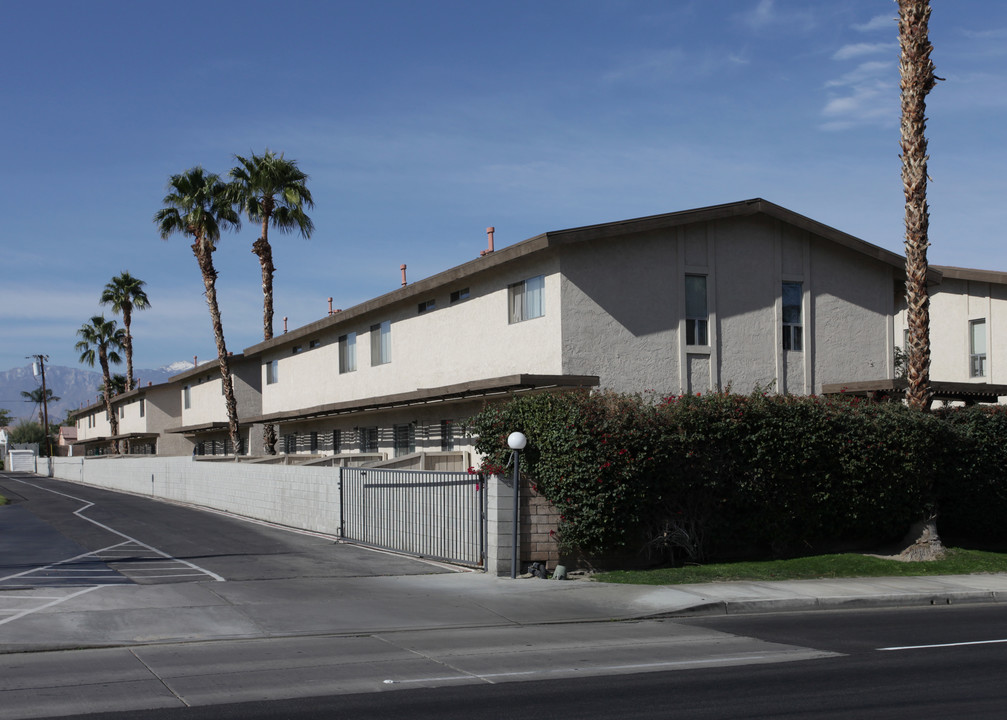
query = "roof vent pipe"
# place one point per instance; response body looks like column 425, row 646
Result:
column 330, row 306
column 194, row 363
column 489, row 241
column 402, row 267
column 284, row 325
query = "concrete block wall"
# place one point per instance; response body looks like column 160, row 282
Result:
column 539, row 522
column 301, row 497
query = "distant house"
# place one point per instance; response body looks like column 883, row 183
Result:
column 65, row 440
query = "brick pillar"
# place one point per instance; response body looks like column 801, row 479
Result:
column 539, row 521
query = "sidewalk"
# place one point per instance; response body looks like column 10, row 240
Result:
column 131, row 615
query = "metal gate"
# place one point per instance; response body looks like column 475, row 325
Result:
column 438, row 515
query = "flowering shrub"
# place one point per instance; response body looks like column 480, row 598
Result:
column 690, row 477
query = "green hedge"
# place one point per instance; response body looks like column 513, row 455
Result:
column 695, row 477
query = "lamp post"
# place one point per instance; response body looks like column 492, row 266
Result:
column 516, row 442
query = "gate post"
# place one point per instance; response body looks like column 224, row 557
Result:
column 499, row 524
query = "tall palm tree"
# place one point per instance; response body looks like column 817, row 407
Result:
column 35, row 397
column 198, row 206
column 918, row 79
column 125, row 294
column 271, row 190
column 102, row 339
column 917, row 73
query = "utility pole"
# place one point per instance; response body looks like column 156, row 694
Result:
column 41, row 359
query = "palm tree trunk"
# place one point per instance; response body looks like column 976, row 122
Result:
column 918, row 79
column 113, row 420
column 127, row 345
column 264, row 252
column 917, row 71
column 204, row 257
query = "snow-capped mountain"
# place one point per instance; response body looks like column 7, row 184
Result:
column 75, row 387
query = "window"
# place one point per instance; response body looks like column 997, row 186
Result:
column 426, row 306
column 143, row 407
column 312, row 344
column 697, row 316
column 526, row 299
column 447, row 435
column 313, row 441
column 459, row 295
column 186, row 398
column 122, row 411
column 793, row 331
column 381, row 343
column 348, row 353
column 296, row 349
column 405, row 439
column 977, row 348
column 368, row 440
column 337, row 442
column 272, row 372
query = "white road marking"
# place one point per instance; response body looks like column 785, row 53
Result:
column 943, row 645
column 594, row 669
column 57, row 601
column 87, row 504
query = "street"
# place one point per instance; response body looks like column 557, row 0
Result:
column 204, row 615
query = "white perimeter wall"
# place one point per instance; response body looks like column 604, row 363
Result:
column 301, row 497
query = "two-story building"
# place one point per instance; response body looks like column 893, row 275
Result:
column 739, row 296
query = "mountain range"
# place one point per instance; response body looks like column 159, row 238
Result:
column 75, row 388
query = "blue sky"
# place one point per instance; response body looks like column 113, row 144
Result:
column 422, row 123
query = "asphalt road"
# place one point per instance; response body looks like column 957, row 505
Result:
column 49, row 521
column 307, row 628
column 950, row 680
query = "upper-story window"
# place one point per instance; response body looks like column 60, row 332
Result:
column 697, row 315
column 526, row 299
column 381, row 343
column 793, row 329
column 348, row 352
column 312, row 344
column 296, row 349
column 122, row 412
column 143, row 407
column 977, row 348
column 272, row 372
column 459, row 295
column 186, row 397
column 426, row 306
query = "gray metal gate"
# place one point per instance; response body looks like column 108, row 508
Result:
column 437, row 515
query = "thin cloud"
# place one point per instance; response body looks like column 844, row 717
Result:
column 765, row 15
column 878, row 22
column 856, row 50
column 865, row 72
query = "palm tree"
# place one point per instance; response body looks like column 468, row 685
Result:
column 918, row 79
column 271, row 190
column 198, row 205
column 35, row 397
column 917, row 72
column 125, row 294
column 102, row 339
column 118, row 384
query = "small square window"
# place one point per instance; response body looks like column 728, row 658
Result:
column 296, row 349
column 426, row 306
column 313, row 344
column 459, row 295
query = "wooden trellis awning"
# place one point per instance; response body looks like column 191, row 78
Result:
column 895, row 389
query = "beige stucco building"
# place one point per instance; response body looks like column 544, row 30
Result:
column 740, row 296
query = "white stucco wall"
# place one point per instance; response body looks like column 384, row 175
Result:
column 468, row 340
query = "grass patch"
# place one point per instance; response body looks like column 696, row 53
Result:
column 958, row 561
column 3, row 500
